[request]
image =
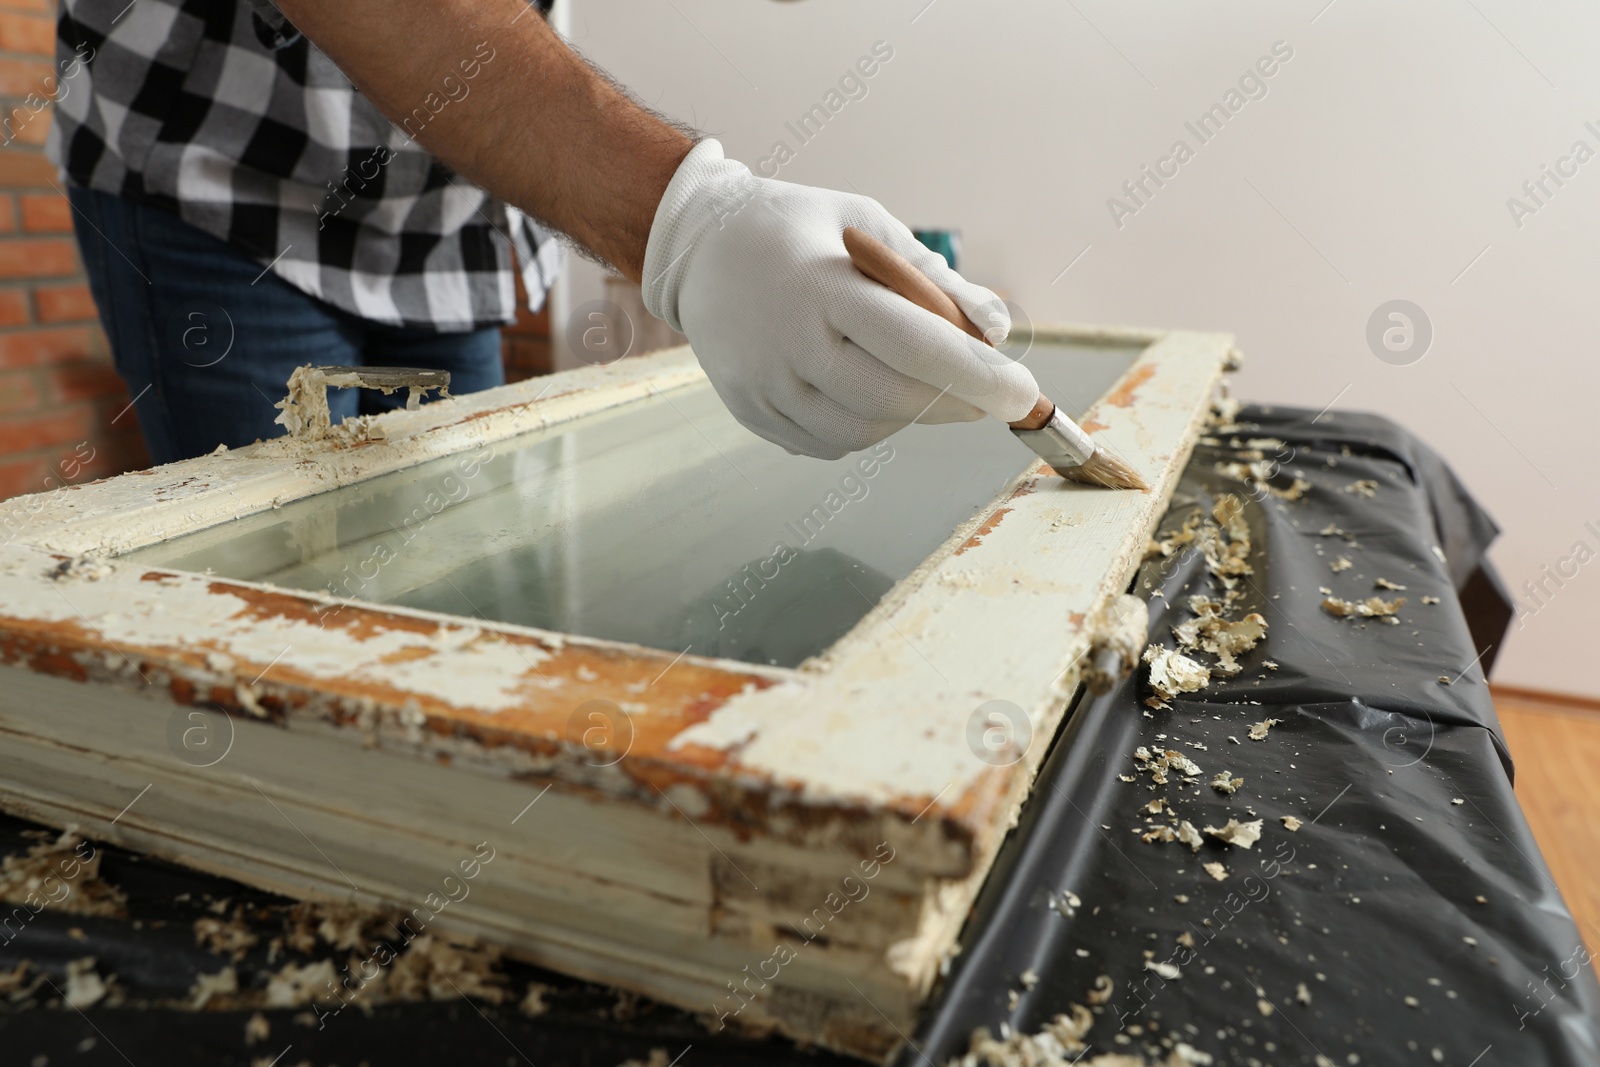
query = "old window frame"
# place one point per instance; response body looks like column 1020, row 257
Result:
column 870, row 741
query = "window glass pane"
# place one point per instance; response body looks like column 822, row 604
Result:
column 661, row 522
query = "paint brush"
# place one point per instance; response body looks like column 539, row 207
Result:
column 1056, row 439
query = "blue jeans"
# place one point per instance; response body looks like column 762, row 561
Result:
column 206, row 340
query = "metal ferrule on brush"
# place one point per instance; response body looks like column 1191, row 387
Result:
column 1058, row 442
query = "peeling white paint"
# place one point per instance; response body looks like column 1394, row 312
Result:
column 128, row 613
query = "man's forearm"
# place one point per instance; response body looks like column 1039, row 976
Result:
column 536, row 127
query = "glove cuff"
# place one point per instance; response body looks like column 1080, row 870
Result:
column 704, row 191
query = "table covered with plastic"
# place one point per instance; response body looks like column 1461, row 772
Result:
column 1313, row 858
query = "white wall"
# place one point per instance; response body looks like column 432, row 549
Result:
column 1378, row 166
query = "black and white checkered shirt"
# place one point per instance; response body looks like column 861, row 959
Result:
column 240, row 126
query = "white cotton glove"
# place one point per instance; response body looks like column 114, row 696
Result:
column 803, row 349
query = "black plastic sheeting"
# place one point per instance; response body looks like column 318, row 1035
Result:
column 1412, row 904
column 1369, row 903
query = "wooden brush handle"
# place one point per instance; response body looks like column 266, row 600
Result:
column 890, row 269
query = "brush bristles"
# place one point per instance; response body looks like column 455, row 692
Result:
column 1107, row 470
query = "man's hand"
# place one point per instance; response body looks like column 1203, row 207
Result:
column 802, row 348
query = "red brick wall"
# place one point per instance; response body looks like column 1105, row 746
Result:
column 64, row 414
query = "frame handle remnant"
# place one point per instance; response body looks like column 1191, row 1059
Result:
column 304, row 412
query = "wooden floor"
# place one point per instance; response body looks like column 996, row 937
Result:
column 1555, row 742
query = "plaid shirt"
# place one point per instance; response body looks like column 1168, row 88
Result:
column 235, row 123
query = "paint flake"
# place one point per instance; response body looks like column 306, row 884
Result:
column 533, row 1002
column 1171, row 673
column 1371, row 608
column 1258, row 732
column 85, row 987
column 1224, row 784
column 1242, row 834
column 224, row 983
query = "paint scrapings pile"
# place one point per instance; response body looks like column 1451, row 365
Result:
column 1217, row 632
column 225, row 937
column 1208, row 645
column 82, row 988
column 63, row 873
column 1211, row 631
column 1257, row 471
column 1158, row 763
column 1374, row 607
column 1223, row 537
column 403, row 967
column 1062, row 1042
column 367, row 958
column 1171, row 673
column 1060, row 1039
